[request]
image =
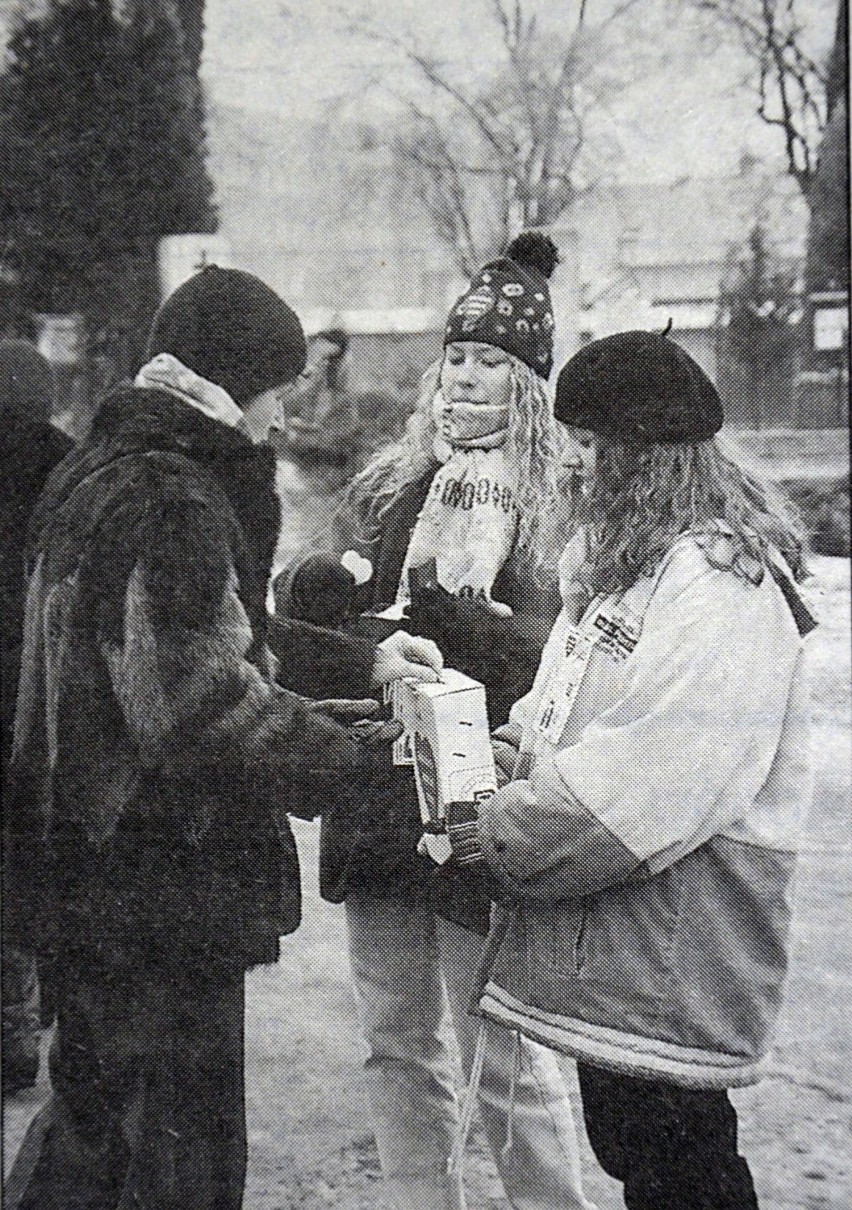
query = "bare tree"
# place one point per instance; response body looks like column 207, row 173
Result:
column 790, row 85
column 504, row 144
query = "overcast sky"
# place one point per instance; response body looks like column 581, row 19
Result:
column 291, row 57
column 692, row 118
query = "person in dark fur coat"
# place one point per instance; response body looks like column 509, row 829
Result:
column 147, row 842
column 29, row 449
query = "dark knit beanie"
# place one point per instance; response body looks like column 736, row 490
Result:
column 640, row 388
column 508, row 303
column 27, row 384
column 232, row 329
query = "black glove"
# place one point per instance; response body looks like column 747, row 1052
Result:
column 465, row 628
column 319, row 590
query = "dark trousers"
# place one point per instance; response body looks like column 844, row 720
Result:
column 21, row 1019
column 147, row 1107
column 673, row 1148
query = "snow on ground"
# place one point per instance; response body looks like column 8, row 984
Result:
column 310, row 1141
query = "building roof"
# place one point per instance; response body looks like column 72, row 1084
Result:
column 691, row 222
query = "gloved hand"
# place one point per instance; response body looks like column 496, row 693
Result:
column 320, row 590
column 466, row 629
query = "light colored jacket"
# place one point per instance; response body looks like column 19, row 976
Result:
column 652, row 849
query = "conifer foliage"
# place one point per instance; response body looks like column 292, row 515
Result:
column 101, row 154
column 760, row 313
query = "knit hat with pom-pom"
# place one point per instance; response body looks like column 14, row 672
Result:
column 640, row 388
column 232, row 329
column 508, row 303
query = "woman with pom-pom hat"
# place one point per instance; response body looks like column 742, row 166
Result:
column 454, row 520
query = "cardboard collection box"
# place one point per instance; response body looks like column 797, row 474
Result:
column 448, row 741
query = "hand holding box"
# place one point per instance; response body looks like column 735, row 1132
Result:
column 448, row 739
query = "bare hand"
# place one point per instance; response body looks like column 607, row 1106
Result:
column 375, row 734
column 404, row 655
column 356, row 713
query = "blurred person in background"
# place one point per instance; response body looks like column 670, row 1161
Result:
column 322, row 422
column 146, row 839
column 30, row 447
column 450, row 526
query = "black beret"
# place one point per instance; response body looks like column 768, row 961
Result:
column 232, row 329
column 638, row 387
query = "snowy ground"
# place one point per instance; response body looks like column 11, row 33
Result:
column 310, row 1140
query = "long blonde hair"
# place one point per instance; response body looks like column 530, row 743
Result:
column 643, row 498
column 533, row 447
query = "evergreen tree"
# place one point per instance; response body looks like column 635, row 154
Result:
column 101, row 154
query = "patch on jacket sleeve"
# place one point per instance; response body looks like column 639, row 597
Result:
column 619, row 633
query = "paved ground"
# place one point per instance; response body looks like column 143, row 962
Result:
column 310, row 1141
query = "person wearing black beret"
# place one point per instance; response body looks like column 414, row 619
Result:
column 644, row 842
column 146, row 840
column 449, row 527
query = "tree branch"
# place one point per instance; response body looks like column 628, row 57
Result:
column 790, row 85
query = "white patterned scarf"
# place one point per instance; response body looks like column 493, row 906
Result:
column 468, row 522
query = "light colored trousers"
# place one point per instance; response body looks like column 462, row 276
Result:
column 413, row 975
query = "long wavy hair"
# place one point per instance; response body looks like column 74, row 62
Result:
column 533, row 447
column 642, row 499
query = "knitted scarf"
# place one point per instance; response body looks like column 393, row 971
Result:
column 165, row 373
column 468, row 522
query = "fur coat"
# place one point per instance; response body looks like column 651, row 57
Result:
column 153, row 760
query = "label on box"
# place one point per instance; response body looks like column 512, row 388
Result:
column 448, row 741
column 402, row 752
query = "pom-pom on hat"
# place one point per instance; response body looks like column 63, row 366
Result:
column 232, row 329
column 640, row 388
column 27, row 384
column 508, row 303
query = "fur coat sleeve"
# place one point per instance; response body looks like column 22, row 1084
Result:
column 140, row 587
column 179, row 664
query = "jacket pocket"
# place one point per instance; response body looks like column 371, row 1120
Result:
column 607, row 950
column 558, row 938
